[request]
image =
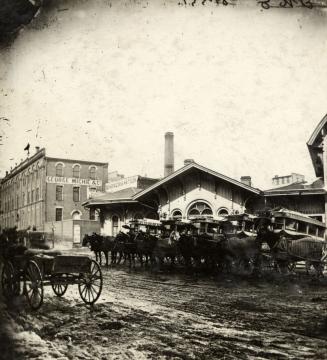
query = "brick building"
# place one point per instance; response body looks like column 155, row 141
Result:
column 45, row 193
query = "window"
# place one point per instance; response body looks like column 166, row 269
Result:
column 28, row 197
column 200, row 209
column 58, row 214
column 93, row 172
column 17, row 202
column 59, row 193
column 222, row 212
column 76, row 171
column 92, row 214
column 32, row 196
column 115, row 221
column 76, row 194
column 59, row 170
column 177, row 214
column 23, row 199
column 76, row 215
column 37, row 194
column 92, row 192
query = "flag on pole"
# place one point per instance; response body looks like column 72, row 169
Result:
column 27, row 148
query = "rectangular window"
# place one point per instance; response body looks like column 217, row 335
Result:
column 23, row 199
column 37, row 194
column 28, row 197
column 91, row 192
column 59, row 193
column 76, row 194
column 92, row 214
column 58, row 214
column 32, row 196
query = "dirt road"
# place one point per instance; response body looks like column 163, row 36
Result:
column 173, row 316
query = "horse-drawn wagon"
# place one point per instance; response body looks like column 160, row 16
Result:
column 293, row 237
column 27, row 271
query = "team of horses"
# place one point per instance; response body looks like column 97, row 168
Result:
column 216, row 251
column 211, row 251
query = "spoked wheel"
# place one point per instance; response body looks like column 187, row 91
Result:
column 33, row 285
column 90, row 285
column 59, row 289
column 10, row 285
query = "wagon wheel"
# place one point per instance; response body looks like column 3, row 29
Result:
column 90, row 285
column 33, row 285
column 10, row 285
column 59, row 289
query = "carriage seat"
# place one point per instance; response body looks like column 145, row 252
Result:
column 50, row 252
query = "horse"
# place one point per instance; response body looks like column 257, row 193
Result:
column 100, row 244
column 125, row 244
column 145, row 244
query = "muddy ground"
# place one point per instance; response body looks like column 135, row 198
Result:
column 171, row 315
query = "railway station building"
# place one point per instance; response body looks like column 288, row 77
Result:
column 46, row 193
column 191, row 191
column 195, row 190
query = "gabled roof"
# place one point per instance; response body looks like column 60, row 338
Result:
column 194, row 165
column 314, row 143
column 121, row 196
column 317, row 131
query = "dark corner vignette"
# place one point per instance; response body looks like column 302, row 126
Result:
column 15, row 14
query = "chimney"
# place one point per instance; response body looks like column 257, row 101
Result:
column 169, row 153
column 37, row 148
column 246, row 180
column 188, row 161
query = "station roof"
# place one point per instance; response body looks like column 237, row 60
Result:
column 300, row 188
column 201, row 168
column 315, row 146
column 118, row 197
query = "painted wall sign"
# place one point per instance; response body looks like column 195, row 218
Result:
column 72, row 181
column 122, row 184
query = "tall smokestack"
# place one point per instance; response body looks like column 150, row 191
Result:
column 169, row 153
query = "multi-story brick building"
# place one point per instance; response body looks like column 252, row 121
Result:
column 45, row 193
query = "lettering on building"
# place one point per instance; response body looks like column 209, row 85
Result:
column 72, row 181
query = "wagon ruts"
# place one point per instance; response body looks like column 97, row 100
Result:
column 29, row 273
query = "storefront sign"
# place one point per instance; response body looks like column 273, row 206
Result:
column 122, row 184
column 72, row 181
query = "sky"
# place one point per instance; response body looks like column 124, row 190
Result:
column 242, row 89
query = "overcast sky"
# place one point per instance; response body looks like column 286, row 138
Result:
column 242, row 89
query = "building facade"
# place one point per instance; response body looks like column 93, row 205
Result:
column 45, row 194
column 292, row 178
column 191, row 191
column 195, row 190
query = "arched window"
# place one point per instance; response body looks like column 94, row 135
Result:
column 76, row 215
column 177, row 214
column 115, row 224
column 222, row 212
column 59, row 169
column 76, row 171
column 199, row 209
column 92, row 172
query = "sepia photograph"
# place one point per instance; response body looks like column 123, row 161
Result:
column 162, row 179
